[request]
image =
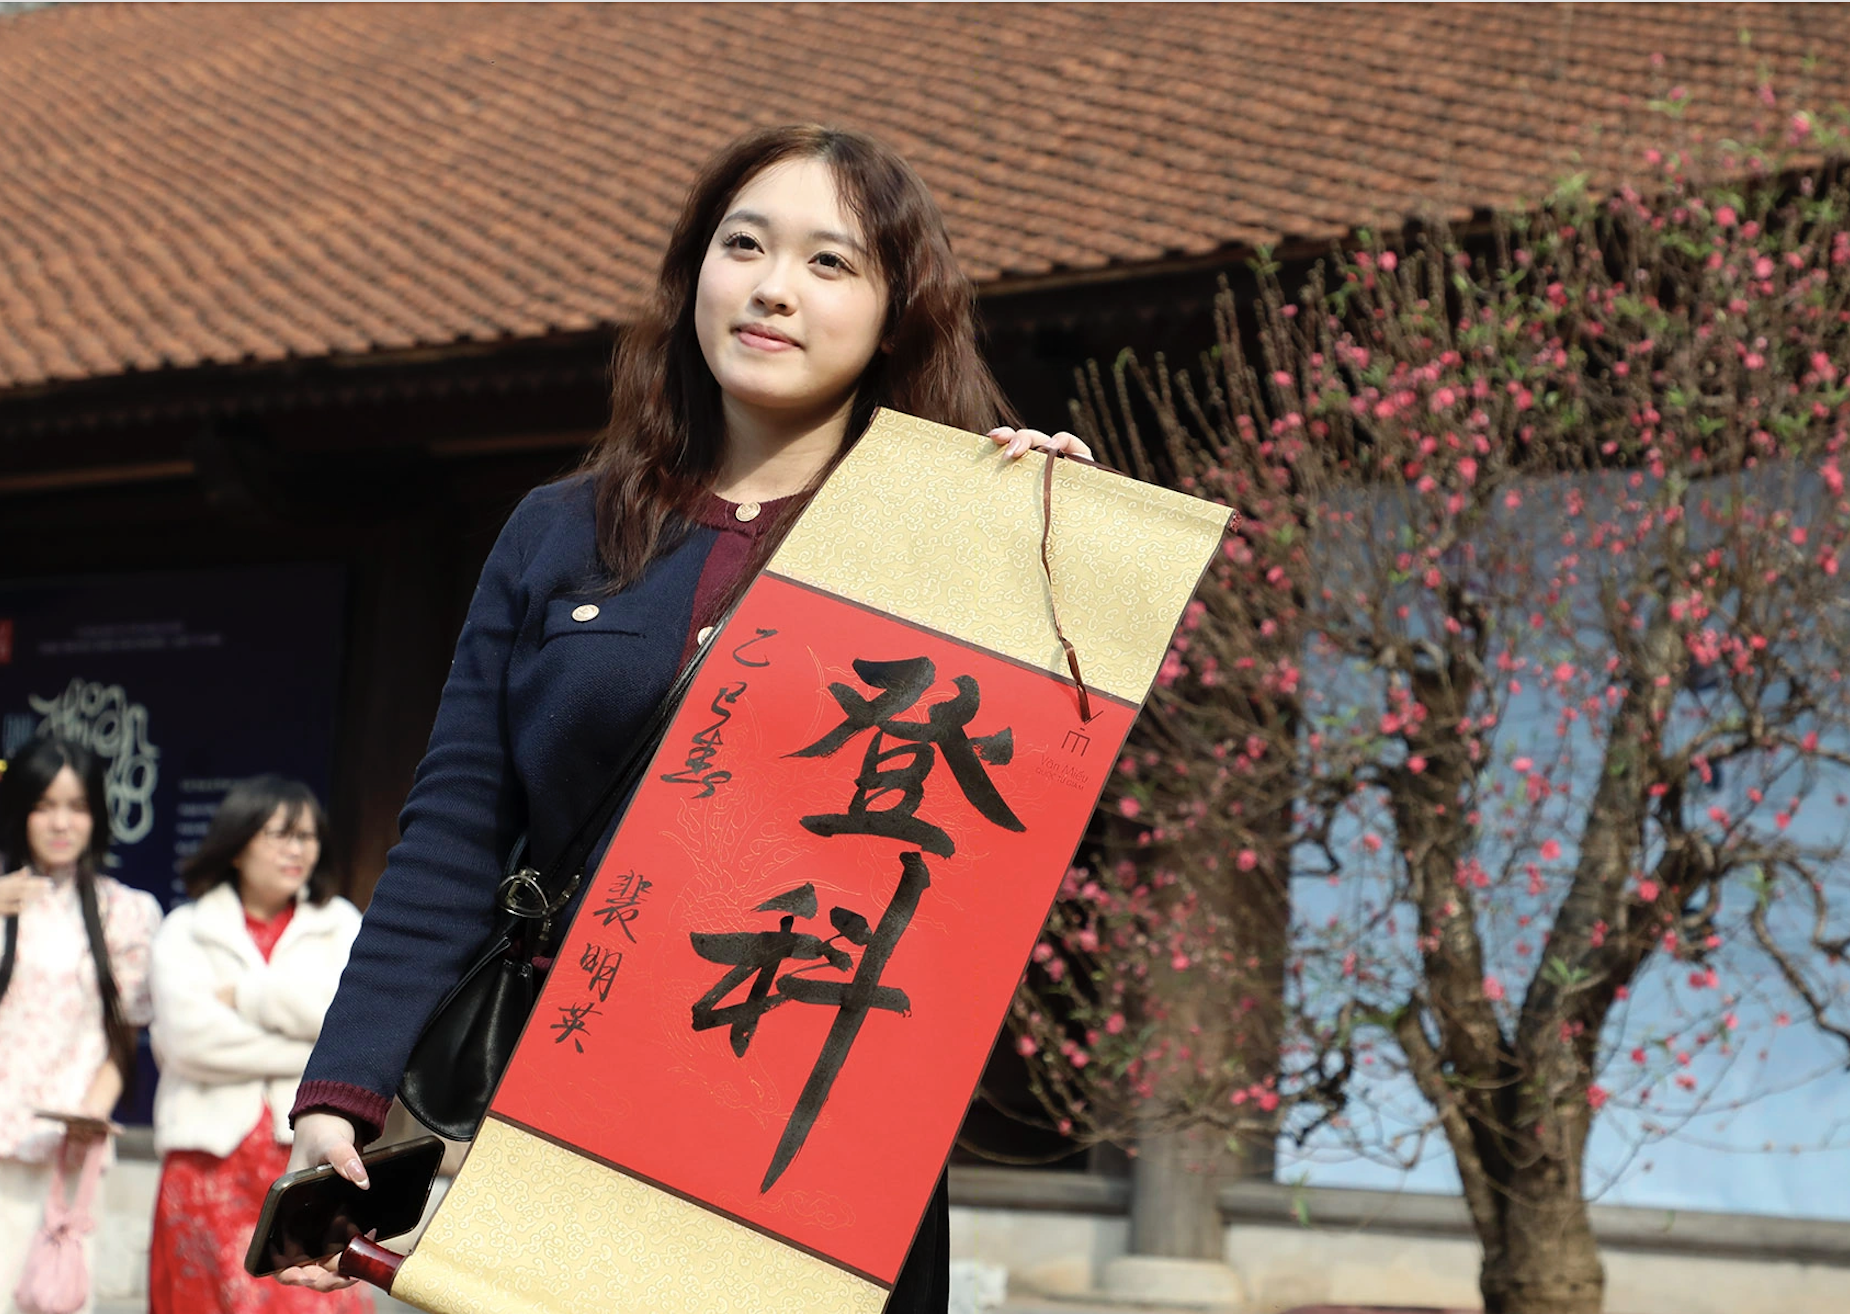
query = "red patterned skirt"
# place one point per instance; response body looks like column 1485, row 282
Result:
column 203, row 1219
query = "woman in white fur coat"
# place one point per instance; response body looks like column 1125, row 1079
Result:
column 242, row 976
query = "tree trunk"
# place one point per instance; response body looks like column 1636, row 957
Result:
column 1543, row 1258
column 1175, row 1182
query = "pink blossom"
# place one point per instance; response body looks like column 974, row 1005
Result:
column 1648, row 891
column 1025, row 1046
column 1416, row 764
column 1551, row 849
column 1493, row 988
column 1246, row 860
column 1596, row 1097
column 1130, row 807
column 1372, row 842
column 1522, row 765
column 1114, row 1024
column 1725, row 216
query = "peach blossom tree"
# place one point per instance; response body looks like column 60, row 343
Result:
column 1518, row 690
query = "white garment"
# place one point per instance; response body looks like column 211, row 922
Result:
column 51, row 1018
column 22, row 1209
column 222, row 1065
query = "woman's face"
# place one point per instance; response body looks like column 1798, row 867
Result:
column 790, row 307
column 279, row 858
column 58, row 831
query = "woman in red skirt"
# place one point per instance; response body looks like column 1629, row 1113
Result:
column 241, row 978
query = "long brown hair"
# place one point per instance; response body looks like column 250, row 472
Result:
column 24, row 783
column 666, row 434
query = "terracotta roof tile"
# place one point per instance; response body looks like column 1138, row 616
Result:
column 205, row 184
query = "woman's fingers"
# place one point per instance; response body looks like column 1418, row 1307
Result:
column 327, row 1138
column 317, row 1277
column 19, row 888
column 346, row 1161
column 1016, row 443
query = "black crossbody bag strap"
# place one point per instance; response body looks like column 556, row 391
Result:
column 465, row 1045
column 530, row 895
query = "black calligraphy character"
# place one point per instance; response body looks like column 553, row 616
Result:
column 902, row 770
column 601, row 966
column 622, row 902
column 852, row 1000
column 759, row 637
column 571, row 1024
column 763, row 952
column 759, row 954
column 706, row 745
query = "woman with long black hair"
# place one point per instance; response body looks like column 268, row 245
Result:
column 73, row 977
column 808, row 282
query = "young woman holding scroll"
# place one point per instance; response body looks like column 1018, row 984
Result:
column 808, row 282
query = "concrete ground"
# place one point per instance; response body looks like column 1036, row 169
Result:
column 386, row 1305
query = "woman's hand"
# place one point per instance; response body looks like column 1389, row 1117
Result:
column 19, row 888
column 1018, row 442
column 324, row 1138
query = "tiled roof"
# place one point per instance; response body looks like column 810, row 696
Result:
column 188, row 184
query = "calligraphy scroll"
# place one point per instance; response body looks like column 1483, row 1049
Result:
column 748, row 1064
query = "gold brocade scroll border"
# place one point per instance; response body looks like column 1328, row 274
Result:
column 888, row 531
column 529, row 1227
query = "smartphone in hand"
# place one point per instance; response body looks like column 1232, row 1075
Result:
column 311, row 1215
column 83, row 1124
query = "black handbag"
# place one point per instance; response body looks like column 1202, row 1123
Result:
column 467, row 1042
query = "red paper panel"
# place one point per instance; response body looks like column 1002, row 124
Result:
column 614, row 1063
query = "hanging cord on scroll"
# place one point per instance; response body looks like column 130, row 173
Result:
column 1053, row 606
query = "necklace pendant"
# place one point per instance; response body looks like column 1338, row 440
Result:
column 746, row 511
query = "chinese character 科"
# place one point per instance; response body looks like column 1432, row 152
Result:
column 600, row 965
column 621, row 902
column 571, row 1024
column 757, row 955
column 899, row 772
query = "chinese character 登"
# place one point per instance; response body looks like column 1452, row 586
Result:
column 901, row 770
